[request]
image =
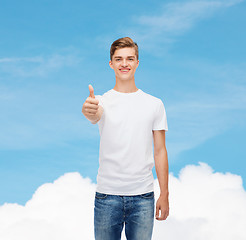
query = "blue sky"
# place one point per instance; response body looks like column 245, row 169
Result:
column 192, row 56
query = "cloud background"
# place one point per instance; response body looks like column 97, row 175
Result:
column 203, row 205
column 192, row 57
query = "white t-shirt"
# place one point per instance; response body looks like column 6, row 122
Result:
column 126, row 152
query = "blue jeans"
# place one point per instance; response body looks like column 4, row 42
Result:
column 112, row 211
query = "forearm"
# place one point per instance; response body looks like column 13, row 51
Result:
column 161, row 167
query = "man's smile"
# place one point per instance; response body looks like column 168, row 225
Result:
column 124, row 70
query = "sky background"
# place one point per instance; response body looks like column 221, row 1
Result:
column 192, row 57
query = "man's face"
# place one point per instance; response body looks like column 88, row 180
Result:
column 124, row 62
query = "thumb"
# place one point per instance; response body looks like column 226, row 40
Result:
column 157, row 211
column 91, row 91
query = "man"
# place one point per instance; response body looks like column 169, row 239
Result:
column 128, row 120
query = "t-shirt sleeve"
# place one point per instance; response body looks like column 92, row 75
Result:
column 160, row 121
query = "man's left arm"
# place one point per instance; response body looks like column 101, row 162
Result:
column 161, row 166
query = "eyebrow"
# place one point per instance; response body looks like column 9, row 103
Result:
column 127, row 57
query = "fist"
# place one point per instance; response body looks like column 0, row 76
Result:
column 90, row 107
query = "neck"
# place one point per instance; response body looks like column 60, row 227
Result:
column 125, row 87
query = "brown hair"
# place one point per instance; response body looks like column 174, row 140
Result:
column 123, row 43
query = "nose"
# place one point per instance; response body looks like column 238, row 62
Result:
column 124, row 63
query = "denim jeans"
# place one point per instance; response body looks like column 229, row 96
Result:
column 111, row 212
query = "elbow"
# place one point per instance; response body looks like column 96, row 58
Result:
column 160, row 152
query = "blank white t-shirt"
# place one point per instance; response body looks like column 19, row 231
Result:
column 126, row 152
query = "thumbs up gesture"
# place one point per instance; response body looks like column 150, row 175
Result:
column 91, row 89
column 91, row 110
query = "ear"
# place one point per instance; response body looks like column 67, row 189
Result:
column 137, row 63
column 111, row 64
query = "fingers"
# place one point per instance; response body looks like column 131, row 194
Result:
column 91, row 91
column 92, row 102
column 91, row 107
column 164, row 213
column 157, row 213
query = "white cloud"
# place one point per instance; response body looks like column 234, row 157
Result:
column 157, row 31
column 217, row 105
column 59, row 210
column 203, row 205
column 180, row 16
column 23, row 59
column 52, row 113
column 37, row 65
column 194, row 121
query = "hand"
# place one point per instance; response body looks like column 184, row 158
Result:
column 90, row 106
column 163, row 205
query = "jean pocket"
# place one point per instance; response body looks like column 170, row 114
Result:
column 100, row 195
column 148, row 195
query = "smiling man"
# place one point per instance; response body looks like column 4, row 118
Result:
column 129, row 120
